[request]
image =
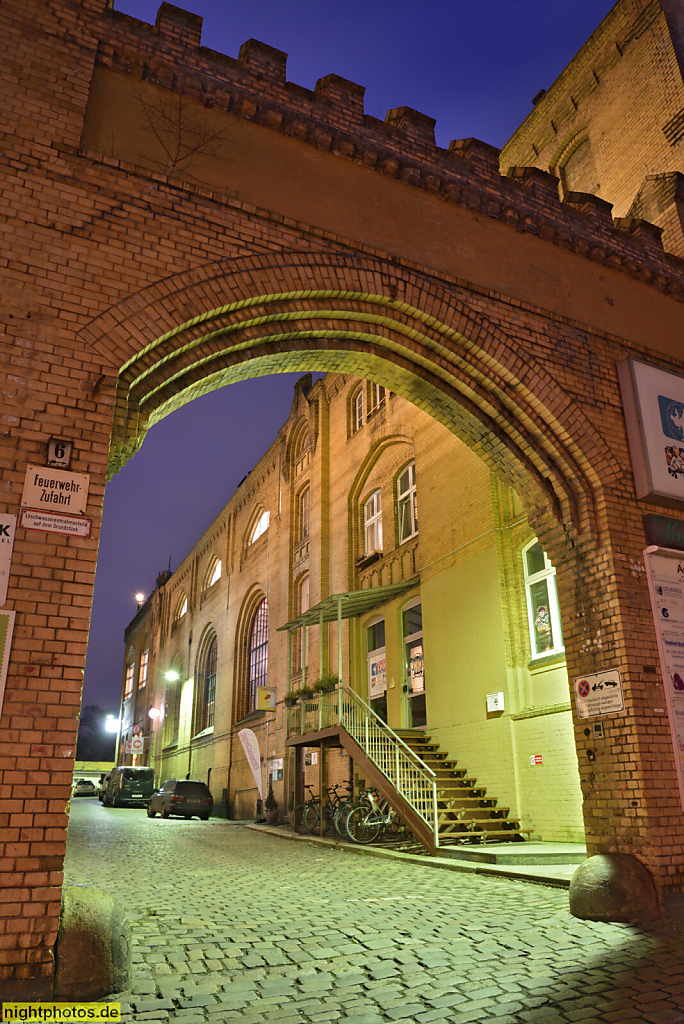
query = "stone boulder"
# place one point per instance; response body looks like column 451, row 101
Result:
column 93, row 948
column 613, row 887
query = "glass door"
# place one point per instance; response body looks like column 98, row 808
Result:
column 414, row 688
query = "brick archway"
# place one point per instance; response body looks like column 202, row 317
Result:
column 198, row 331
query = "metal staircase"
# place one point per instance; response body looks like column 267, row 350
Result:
column 433, row 796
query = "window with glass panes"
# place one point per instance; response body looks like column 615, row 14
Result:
column 407, row 506
column 258, row 652
column 304, row 505
column 372, row 523
column 543, row 613
column 298, row 659
column 209, row 694
column 358, row 410
column 142, row 675
column 128, row 683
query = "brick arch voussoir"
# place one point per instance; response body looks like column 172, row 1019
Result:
column 514, row 397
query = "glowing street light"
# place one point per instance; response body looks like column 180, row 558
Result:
column 154, row 713
column 172, row 676
column 139, row 598
column 111, row 723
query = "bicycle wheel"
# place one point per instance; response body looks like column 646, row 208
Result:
column 340, row 819
column 360, row 825
column 297, row 818
column 312, row 817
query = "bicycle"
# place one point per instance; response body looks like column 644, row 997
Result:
column 364, row 822
column 298, row 813
column 312, row 815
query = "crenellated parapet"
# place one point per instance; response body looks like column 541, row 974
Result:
column 254, row 87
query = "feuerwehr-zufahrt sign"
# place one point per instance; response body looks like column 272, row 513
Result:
column 55, row 490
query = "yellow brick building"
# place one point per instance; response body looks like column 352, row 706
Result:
column 352, row 496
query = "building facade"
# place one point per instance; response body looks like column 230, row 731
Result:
column 352, row 496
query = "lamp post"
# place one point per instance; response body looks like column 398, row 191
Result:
column 139, row 598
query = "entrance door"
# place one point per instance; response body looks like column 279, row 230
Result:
column 414, row 667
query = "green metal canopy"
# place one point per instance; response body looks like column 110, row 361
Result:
column 348, row 606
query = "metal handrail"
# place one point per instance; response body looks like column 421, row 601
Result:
column 414, row 780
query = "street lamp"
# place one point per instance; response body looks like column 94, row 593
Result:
column 139, row 598
column 111, row 723
column 172, row 676
column 154, row 713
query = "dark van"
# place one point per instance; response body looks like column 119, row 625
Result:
column 128, row 786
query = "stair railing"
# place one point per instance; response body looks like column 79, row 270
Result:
column 408, row 774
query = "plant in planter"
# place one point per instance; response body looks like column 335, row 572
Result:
column 326, row 684
column 306, row 691
column 270, row 806
column 291, row 698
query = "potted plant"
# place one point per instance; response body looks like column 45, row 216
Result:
column 326, row 684
column 291, row 698
column 271, row 806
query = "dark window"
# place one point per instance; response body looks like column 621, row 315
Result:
column 258, row 652
column 376, row 635
column 413, row 620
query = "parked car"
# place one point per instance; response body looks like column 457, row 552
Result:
column 84, row 787
column 128, row 786
column 183, row 798
column 101, row 786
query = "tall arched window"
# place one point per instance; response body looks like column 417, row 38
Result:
column 372, row 523
column 208, row 694
column 304, row 509
column 261, row 526
column 543, row 613
column 407, row 506
column 258, row 652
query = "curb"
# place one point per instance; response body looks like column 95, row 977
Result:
column 441, row 863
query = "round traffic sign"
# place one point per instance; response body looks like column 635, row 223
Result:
column 583, row 688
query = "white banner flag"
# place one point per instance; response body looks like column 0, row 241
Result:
column 250, row 745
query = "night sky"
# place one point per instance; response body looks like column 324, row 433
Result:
column 474, row 65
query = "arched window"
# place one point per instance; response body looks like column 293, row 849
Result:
column 142, row 673
column 181, row 607
column 130, row 674
column 258, row 652
column 302, row 602
column 208, row 692
column 372, row 523
column 407, row 506
column 261, row 526
column 214, row 573
column 301, row 444
column 543, row 613
column 303, row 514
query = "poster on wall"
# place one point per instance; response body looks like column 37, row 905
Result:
column 6, row 630
column 665, row 575
column 653, row 402
column 377, row 674
column 416, row 668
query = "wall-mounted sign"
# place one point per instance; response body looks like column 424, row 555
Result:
column 55, row 522
column 377, row 674
column 664, row 531
column 536, row 759
column 665, row 575
column 59, row 452
column 653, row 401
column 137, row 745
column 495, row 702
column 599, row 694
column 6, row 630
column 55, row 490
column 7, row 527
column 266, row 698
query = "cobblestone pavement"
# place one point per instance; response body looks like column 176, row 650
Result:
column 232, row 925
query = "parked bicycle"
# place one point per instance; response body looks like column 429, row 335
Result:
column 369, row 817
column 333, row 799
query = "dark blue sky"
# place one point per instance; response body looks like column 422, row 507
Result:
column 474, row 65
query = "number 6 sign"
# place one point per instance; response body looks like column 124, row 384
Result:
column 59, row 452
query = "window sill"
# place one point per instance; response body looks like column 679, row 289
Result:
column 546, row 661
column 368, row 559
column 203, row 734
column 252, row 716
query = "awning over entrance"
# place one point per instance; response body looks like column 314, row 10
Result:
column 349, row 605
column 338, row 607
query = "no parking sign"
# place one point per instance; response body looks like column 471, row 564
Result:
column 599, row 694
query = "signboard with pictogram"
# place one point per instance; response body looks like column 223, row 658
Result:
column 599, row 694
column 137, row 745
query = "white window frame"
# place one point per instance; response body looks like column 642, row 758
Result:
column 261, row 526
column 182, row 607
column 372, row 522
column 407, row 498
column 547, row 574
column 358, row 410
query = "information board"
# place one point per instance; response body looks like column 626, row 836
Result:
column 665, row 574
column 7, row 527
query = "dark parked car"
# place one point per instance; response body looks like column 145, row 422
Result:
column 126, row 785
column 84, row 787
column 181, row 797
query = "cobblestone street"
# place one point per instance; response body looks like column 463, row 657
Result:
column 232, row 925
